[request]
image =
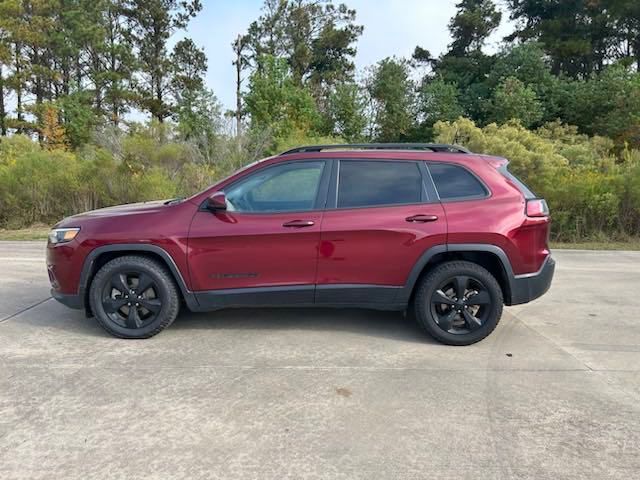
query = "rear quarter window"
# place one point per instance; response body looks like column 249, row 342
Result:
column 455, row 182
column 528, row 194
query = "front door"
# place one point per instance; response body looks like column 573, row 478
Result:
column 263, row 249
column 381, row 221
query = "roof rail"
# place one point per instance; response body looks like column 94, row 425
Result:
column 432, row 147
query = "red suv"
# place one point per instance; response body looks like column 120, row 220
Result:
column 449, row 233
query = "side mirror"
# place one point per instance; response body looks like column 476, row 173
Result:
column 217, row 202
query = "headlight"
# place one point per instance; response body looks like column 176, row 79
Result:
column 62, row 235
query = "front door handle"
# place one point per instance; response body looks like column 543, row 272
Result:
column 299, row 224
column 422, row 218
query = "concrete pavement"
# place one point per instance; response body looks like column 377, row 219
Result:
column 553, row 393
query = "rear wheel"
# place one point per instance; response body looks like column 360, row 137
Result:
column 458, row 303
column 134, row 297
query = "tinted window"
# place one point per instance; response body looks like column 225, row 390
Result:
column 363, row 183
column 455, row 182
column 283, row 188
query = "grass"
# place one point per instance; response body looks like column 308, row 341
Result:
column 630, row 245
column 37, row 232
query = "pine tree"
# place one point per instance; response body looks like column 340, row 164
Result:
column 153, row 22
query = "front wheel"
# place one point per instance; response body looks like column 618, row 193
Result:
column 458, row 303
column 134, row 297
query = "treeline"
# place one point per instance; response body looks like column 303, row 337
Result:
column 561, row 99
column 86, row 64
column 576, row 62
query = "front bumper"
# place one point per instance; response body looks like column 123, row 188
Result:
column 525, row 288
column 70, row 300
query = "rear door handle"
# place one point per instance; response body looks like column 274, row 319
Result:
column 422, row 218
column 299, row 224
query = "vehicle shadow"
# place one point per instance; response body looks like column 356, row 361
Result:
column 392, row 325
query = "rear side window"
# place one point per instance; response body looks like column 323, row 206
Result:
column 365, row 184
column 454, row 182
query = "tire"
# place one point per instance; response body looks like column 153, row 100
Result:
column 458, row 321
column 134, row 297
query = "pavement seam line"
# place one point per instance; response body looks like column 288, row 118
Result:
column 553, row 342
column 26, row 309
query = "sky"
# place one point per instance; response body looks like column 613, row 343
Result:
column 392, row 27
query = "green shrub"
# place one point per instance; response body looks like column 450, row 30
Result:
column 592, row 192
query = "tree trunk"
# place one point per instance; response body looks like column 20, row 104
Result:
column 3, row 113
column 39, row 91
column 18, row 69
column 239, row 88
column 115, row 83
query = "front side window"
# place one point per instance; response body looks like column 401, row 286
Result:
column 454, row 182
column 281, row 188
column 371, row 183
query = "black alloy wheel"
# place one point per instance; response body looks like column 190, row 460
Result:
column 134, row 297
column 131, row 299
column 458, row 302
column 461, row 304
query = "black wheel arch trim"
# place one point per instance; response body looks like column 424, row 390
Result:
column 519, row 288
column 89, row 262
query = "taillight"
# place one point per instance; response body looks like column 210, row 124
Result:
column 537, row 207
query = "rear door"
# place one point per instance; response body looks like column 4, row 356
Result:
column 381, row 217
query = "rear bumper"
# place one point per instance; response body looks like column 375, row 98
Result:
column 525, row 288
column 69, row 300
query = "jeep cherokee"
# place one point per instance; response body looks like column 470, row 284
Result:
column 435, row 229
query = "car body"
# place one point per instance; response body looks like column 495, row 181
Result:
column 334, row 226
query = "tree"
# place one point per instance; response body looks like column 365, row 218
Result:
column 52, row 132
column 346, row 112
column 27, row 31
column 5, row 59
column 469, row 74
column 196, row 109
column 608, row 104
column 115, row 53
column 472, row 25
column 266, row 34
column 576, row 35
column 153, row 22
column 391, row 90
column 513, row 100
column 188, row 67
column 422, row 56
column 465, row 66
column 198, row 116
column 314, row 36
column 625, row 16
column 240, row 62
column 334, row 48
column 438, row 101
column 527, row 62
column 276, row 103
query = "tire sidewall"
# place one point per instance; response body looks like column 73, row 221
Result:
column 105, row 274
column 431, row 284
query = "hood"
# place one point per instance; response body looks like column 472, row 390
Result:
column 117, row 211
